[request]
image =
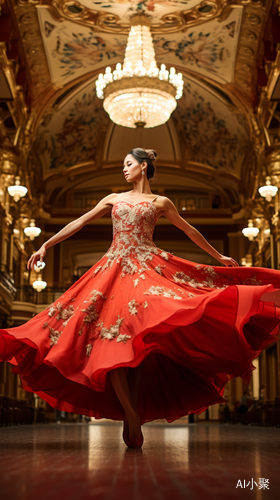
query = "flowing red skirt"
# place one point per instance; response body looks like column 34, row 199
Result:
column 193, row 328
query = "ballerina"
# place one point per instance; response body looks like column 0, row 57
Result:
column 143, row 334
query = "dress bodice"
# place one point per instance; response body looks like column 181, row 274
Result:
column 132, row 246
column 135, row 223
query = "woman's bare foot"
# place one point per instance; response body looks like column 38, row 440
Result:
column 134, row 425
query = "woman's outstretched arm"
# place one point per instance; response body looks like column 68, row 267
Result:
column 73, row 227
column 171, row 213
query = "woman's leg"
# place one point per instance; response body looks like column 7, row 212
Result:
column 134, row 380
column 120, row 384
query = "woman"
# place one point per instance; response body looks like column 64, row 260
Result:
column 143, row 334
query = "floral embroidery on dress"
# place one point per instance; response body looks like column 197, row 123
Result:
column 206, row 276
column 132, row 306
column 92, row 311
column 145, row 304
column 91, row 314
column 97, row 270
column 113, row 331
column 136, row 282
column 61, row 312
column 123, row 338
column 54, row 334
column 89, row 349
column 161, row 290
column 158, row 270
column 133, row 247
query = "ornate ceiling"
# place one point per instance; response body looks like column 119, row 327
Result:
column 210, row 140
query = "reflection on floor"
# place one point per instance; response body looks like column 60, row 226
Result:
column 90, row 461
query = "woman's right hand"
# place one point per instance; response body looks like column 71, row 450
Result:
column 35, row 257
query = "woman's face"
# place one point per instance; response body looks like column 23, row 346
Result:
column 132, row 169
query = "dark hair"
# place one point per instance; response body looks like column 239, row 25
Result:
column 148, row 155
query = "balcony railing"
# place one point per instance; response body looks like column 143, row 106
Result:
column 6, row 280
column 47, row 296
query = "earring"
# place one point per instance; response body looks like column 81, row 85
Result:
column 143, row 172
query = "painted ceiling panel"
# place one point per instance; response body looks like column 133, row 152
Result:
column 73, row 51
column 209, row 50
column 214, row 131
column 71, row 135
column 154, row 8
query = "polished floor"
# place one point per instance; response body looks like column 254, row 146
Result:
column 90, row 461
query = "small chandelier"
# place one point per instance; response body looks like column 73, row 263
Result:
column 32, row 231
column 17, row 191
column 39, row 284
column 140, row 94
column 268, row 191
column 250, row 232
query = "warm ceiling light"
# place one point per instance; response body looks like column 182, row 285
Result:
column 250, row 232
column 17, row 191
column 39, row 284
column 140, row 94
column 268, row 191
column 32, row 231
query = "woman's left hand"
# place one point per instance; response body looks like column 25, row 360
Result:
column 228, row 261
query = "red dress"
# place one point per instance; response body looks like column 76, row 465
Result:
column 194, row 327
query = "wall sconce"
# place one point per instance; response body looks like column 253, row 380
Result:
column 17, row 191
column 39, row 284
column 32, row 231
column 268, row 191
column 250, row 232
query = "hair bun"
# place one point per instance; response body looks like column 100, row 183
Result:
column 152, row 154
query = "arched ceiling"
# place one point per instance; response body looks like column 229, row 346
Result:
column 208, row 140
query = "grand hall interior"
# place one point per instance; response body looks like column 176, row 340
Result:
column 82, row 84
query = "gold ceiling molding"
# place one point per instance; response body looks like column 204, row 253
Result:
column 27, row 21
column 253, row 22
column 106, row 22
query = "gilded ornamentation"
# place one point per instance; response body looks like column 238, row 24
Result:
column 27, row 20
column 163, row 21
column 247, row 50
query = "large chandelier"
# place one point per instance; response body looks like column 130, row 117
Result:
column 140, row 94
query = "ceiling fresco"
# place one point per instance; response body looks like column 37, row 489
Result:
column 208, row 50
column 214, row 132
column 71, row 135
column 156, row 9
column 73, row 51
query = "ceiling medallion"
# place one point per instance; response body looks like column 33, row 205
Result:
column 140, row 94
